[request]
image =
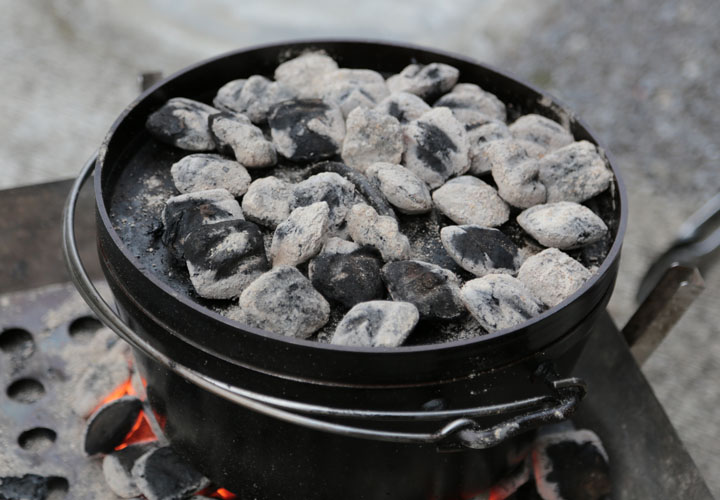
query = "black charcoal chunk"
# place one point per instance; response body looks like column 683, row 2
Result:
column 283, row 301
column 257, row 97
column 224, row 258
column 228, row 96
column 346, row 273
column 350, row 88
column 553, row 275
column 27, row 487
column 371, row 136
column 200, row 172
column 471, row 104
column 480, row 135
column 235, row 134
column 304, row 74
column 183, row 123
column 366, row 227
column 514, row 172
column 575, row 172
column 433, row 290
column 161, row 474
column 499, row 301
column 404, row 106
column 307, row 129
column 468, row 200
column 117, row 468
column 436, row 147
column 544, row 132
column 424, row 81
column 563, row 225
column 378, row 323
column 480, row 250
column 301, row 236
column 109, row 425
column 185, row 213
column 267, row 201
column 571, row 465
column 333, row 189
column 403, row 189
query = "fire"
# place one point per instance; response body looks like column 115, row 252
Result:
column 218, row 493
column 124, row 389
column 141, row 430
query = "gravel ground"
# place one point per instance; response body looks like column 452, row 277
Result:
column 642, row 73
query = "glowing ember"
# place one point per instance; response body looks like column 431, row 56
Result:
column 218, row 493
column 124, row 389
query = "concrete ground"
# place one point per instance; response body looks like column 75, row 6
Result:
column 643, row 73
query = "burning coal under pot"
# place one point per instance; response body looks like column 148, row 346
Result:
column 268, row 416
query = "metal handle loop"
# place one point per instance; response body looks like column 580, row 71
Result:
column 459, row 433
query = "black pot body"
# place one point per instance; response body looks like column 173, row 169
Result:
column 260, row 457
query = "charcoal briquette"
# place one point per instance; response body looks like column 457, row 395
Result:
column 371, row 136
column 201, row 172
column 404, row 106
column 349, row 88
column 183, row 123
column 117, row 468
column 378, row 323
column 109, row 425
column 328, row 187
column 301, row 236
column 424, row 81
column 480, row 250
column 235, row 134
column 468, row 200
column 563, row 225
column 161, row 474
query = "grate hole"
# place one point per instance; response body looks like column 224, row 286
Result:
column 84, row 328
column 17, row 341
column 37, row 439
column 57, row 488
column 26, row 390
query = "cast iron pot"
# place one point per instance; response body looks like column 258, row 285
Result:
column 271, row 417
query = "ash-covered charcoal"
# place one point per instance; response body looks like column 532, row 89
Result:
column 283, row 301
column 404, row 106
column 433, row 290
column 403, row 189
column 468, row 200
column 480, row 250
column 564, row 225
column 508, row 485
column 479, row 136
column 99, row 379
column 350, row 88
column 470, row 104
column 228, row 96
column 256, row 97
column 117, row 468
column 307, row 129
column 183, row 123
column 161, row 474
column 514, row 172
column 200, row 172
column 571, row 465
column 333, row 189
column 425, row 81
column 235, row 134
column 224, row 258
column 301, row 236
column 552, row 275
column 346, row 273
column 371, row 136
column 378, row 323
column 185, row 213
column 436, row 147
column 109, row 425
column 544, row 132
column 366, row 227
column 499, row 301
column 267, row 201
column 304, row 73
column 575, row 172
column 27, row 487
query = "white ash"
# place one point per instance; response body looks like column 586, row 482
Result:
column 301, row 236
column 424, row 80
column 335, row 245
column 553, row 275
column 436, row 147
column 575, row 172
column 350, row 88
column 99, row 379
column 329, row 187
column 183, row 123
column 200, row 172
column 544, row 132
column 471, row 104
column 481, row 250
column 267, row 201
column 304, row 73
column 161, row 474
column 366, row 227
column 371, row 136
column 117, row 469
column 378, row 323
column 564, row 225
column 257, row 96
column 224, row 258
column 403, row 189
column 283, row 301
column 479, row 136
column 236, row 133
column 307, row 129
column 499, row 301
column 515, row 173
column 404, row 106
column 468, row 200
column 228, row 96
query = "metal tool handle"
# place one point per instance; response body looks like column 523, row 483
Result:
column 462, row 432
